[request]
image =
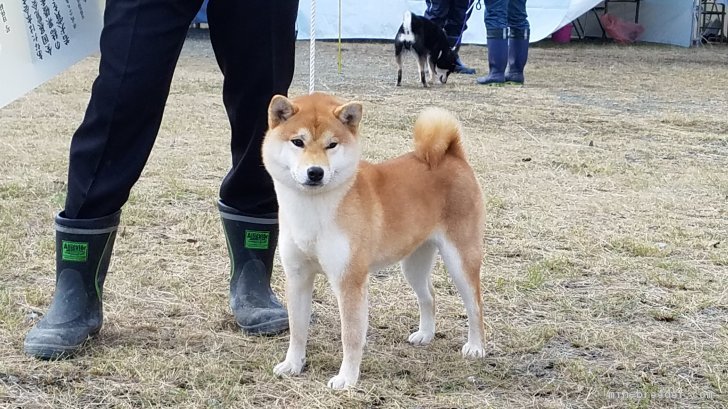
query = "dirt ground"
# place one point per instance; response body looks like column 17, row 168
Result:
column 605, row 277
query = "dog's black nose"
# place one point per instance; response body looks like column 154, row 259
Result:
column 315, row 174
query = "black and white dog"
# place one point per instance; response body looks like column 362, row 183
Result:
column 429, row 43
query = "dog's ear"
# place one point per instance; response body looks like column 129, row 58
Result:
column 280, row 110
column 350, row 115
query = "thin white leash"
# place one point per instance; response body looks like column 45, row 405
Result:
column 312, row 49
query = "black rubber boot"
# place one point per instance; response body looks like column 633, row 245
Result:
column 460, row 67
column 251, row 242
column 83, row 251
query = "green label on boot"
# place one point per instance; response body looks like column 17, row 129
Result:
column 74, row 251
column 256, row 240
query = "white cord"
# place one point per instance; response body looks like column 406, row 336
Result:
column 312, row 49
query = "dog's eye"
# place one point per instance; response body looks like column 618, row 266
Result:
column 297, row 142
column 332, row 145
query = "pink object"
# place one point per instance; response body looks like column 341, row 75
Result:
column 562, row 35
column 621, row 31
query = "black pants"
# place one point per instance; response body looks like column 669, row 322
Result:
column 452, row 16
column 254, row 44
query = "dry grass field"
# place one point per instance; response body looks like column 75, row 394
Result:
column 605, row 276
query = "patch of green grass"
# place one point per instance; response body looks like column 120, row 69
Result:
column 718, row 378
column 5, row 252
column 452, row 385
column 35, row 297
column 11, row 317
column 621, row 305
column 581, row 371
column 663, row 314
column 12, row 190
column 176, row 189
column 58, row 199
column 667, row 280
column 495, row 203
column 700, row 124
column 588, row 169
column 647, row 391
column 535, row 277
column 46, row 245
column 675, row 275
column 559, row 266
column 538, row 273
column 530, row 340
column 500, row 284
column 636, row 248
column 677, row 267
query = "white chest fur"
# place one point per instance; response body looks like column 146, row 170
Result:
column 308, row 222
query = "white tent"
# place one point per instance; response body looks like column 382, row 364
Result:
column 30, row 58
column 665, row 21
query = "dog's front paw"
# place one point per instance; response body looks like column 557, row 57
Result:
column 341, row 382
column 473, row 351
column 288, row 368
column 421, row 337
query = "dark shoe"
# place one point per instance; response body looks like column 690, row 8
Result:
column 517, row 56
column 461, row 68
column 251, row 243
column 83, row 251
column 497, row 58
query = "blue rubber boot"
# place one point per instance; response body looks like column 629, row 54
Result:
column 251, row 242
column 83, row 251
column 517, row 55
column 497, row 58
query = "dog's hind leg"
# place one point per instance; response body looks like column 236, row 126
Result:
column 421, row 63
column 300, row 275
column 431, row 65
column 463, row 265
column 417, row 268
column 398, row 56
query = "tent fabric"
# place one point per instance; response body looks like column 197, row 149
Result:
column 665, row 21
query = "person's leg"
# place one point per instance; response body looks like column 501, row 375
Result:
column 518, row 37
column 455, row 26
column 496, row 27
column 140, row 45
column 517, row 15
column 437, row 11
column 496, row 14
column 254, row 43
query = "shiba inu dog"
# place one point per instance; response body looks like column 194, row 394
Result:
column 346, row 218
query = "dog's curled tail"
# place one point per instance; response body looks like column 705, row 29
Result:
column 437, row 134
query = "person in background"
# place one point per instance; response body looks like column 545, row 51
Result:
column 452, row 16
column 507, row 32
column 254, row 45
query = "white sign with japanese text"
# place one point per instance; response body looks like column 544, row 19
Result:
column 41, row 38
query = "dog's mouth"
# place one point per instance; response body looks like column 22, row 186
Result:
column 443, row 73
column 312, row 184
